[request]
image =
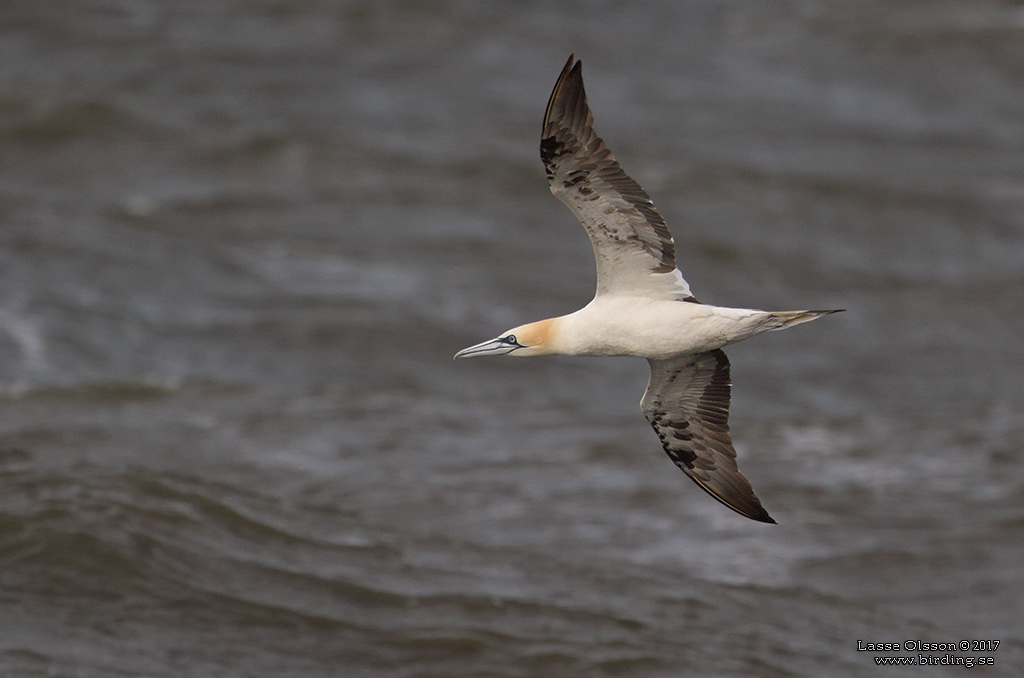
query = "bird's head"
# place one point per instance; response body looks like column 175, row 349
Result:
column 526, row 340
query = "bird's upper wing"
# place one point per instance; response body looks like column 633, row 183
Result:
column 634, row 249
column 687, row 403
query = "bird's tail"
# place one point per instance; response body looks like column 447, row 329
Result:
column 782, row 319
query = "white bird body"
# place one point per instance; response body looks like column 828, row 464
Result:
column 656, row 329
column 643, row 306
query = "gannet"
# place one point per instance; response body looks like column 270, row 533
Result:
column 643, row 306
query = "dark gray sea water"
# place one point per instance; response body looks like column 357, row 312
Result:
column 241, row 241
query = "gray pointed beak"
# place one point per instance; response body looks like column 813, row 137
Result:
column 497, row 346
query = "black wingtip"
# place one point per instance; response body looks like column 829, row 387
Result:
column 748, row 506
column 571, row 66
column 752, row 510
column 755, row 511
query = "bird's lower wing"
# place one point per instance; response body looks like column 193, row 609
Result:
column 687, row 403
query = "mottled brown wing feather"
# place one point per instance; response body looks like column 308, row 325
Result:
column 687, row 403
column 634, row 250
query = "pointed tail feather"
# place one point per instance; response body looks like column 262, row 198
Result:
column 783, row 319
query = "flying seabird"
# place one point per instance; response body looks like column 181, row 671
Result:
column 643, row 307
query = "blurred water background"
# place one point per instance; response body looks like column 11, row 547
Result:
column 240, row 242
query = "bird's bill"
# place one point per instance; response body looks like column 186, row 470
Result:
column 497, row 346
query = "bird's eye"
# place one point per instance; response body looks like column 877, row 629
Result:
column 511, row 339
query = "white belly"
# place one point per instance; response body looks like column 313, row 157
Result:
column 656, row 329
